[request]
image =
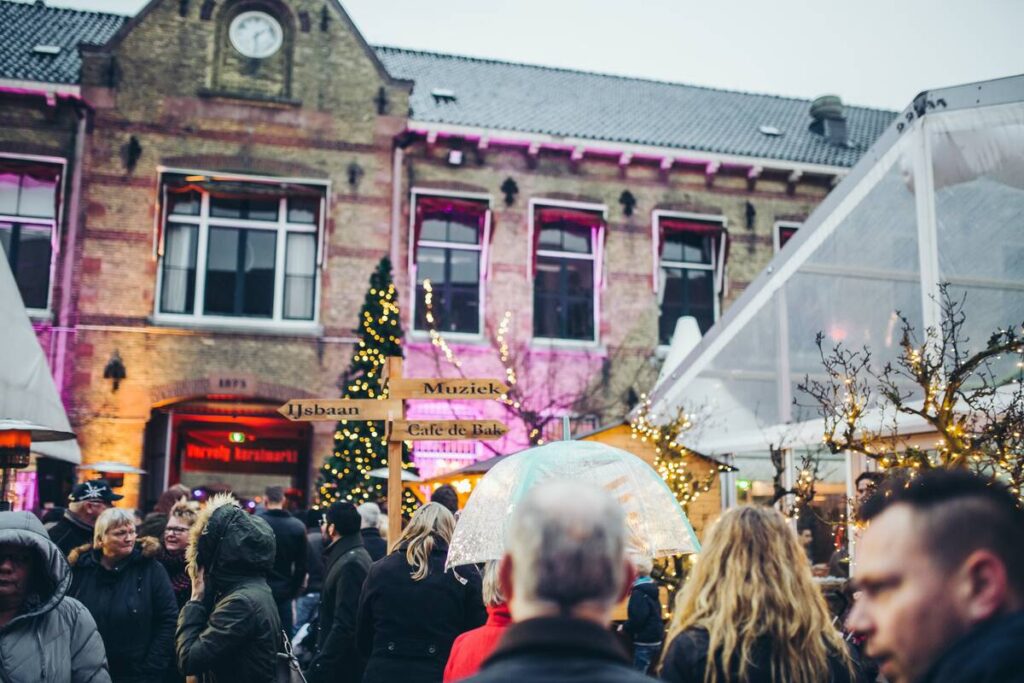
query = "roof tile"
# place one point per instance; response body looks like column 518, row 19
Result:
column 25, row 25
column 507, row 96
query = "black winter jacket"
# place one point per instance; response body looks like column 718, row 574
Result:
column 315, row 564
column 289, row 571
column 70, row 533
column 375, row 545
column 557, row 650
column 992, row 653
column 405, row 627
column 643, row 622
column 134, row 608
column 347, row 566
column 687, row 656
column 235, row 633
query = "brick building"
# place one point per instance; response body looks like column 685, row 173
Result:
column 200, row 193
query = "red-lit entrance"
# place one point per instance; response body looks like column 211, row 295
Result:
column 227, row 445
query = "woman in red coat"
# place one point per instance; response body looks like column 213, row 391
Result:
column 472, row 647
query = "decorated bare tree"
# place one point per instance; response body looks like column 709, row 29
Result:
column 796, row 497
column 973, row 401
column 671, row 457
column 540, row 391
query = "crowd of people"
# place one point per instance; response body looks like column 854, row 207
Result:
column 216, row 593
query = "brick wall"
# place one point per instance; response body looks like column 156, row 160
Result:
column 190, row 104
column 170, row 87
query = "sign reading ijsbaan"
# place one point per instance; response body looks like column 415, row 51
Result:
column 331, row 409
column 446, row 430
column 446, row 388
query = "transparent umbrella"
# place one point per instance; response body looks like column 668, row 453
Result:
column 657, row 524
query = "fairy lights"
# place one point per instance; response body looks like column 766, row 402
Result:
column 970, row 397
column 672, row 458
column 361, row 446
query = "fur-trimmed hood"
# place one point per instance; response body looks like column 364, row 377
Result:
column 145, row 546
column 229, row 543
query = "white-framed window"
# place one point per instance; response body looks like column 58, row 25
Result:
column 236, row 251
column 449, row 240
column 567, row 256
column 690, row 256
column 783, row 232
column 29, row 219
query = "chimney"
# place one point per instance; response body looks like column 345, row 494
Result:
column 829, row 119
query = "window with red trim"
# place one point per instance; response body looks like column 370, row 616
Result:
column 783, row 233
column 688, row 273
column 239, row 250
column 28, row 224
column 564, row 281
column 449, row 255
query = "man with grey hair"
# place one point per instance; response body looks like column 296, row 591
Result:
column 565, row 568
column 369, row 529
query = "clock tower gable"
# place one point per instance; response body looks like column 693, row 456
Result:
column 254, row 50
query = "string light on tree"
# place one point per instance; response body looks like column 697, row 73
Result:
column 671, row 459
column 972, row 400
column 360, row 446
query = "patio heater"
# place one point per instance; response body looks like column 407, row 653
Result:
column 16, row 437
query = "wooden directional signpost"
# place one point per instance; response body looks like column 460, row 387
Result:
column 398, row 429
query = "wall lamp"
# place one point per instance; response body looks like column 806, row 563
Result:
column 115, row 370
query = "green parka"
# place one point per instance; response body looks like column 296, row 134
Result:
column 235, row 633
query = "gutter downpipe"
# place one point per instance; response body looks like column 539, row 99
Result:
column 397, row 159
column 68, row 266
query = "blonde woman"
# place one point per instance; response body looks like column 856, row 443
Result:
column 751, row 613
column 411, row 609
column 129, row 595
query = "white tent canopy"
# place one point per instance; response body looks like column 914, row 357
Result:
column 938, row 198
column 27, row 391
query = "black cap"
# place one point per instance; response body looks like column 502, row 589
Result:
column 94, row 489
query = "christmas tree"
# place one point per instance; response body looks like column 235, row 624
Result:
column 362, row 446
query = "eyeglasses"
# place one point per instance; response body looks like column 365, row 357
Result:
column 175, row 530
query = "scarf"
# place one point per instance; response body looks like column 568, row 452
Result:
column 176, row 568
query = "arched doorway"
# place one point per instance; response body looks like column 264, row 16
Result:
column 240, row 445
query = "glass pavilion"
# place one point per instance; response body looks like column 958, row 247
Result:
column 938, row 198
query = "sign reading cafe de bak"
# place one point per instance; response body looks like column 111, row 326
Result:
column 398, row 429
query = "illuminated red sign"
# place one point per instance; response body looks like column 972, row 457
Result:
column 274, row 458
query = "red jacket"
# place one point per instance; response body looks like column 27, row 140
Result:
column 472, row 647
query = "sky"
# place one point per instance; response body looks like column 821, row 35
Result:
column 877, row 53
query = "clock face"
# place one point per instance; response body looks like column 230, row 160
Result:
column 256, row 34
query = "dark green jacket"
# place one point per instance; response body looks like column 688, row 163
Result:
column 347, row 564
column 235, row 633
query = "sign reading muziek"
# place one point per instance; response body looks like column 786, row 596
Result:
column 392, row 411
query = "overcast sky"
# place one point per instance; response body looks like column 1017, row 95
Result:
column 870, row 52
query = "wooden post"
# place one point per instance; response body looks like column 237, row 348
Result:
column 393, row 370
